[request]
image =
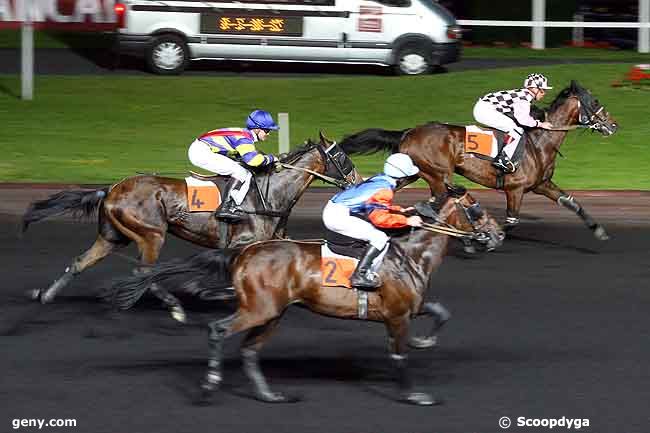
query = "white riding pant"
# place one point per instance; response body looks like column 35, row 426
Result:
column 337, row 218
column 486, row 113
column 200, row 155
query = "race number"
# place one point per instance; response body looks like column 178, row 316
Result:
column 337, row 271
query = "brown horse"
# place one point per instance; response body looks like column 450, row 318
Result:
column 438, row 150
column 269, row 276
column 143, row 209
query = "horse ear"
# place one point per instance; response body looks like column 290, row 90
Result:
column 574, row 86
column 323, row 139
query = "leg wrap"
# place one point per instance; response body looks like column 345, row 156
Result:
column 570, row 203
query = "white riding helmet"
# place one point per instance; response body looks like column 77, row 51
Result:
column 400, row 165
column 537, row 80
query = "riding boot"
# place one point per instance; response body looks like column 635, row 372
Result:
column 229, row 209
column 363, row 278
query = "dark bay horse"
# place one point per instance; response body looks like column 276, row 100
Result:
column 143, row 209
column 438, row 150
column 269, row 276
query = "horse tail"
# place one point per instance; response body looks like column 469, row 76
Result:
column 372, row 140
column 79, row 203
column 209, row 270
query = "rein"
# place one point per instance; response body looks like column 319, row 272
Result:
column 449, row 231
column 326, row 178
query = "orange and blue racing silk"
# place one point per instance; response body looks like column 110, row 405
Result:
column 373, row 199
column 236, row 141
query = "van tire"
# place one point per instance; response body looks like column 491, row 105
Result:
column 414, row 59
column 168, row 55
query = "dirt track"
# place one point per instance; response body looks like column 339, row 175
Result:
column 553, row 324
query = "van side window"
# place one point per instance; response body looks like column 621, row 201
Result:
column 394, row 3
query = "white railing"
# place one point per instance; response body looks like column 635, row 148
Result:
column 539, row 24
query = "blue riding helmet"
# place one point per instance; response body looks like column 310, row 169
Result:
column 261, row 119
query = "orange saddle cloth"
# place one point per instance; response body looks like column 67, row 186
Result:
column 202, row 195
column 336, row 269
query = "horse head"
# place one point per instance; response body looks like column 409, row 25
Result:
column 462, row 211
column 338, row 164
column 586, row 110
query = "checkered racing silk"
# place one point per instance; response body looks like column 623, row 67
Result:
column 505, row 99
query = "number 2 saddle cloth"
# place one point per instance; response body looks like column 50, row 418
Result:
column 339, row 257
column 203, row 195
column 487, row 143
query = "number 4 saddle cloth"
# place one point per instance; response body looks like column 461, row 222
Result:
column 202, row 195
column 487, row 143
column 339, row 257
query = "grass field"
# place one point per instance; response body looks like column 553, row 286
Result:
column 97, row 129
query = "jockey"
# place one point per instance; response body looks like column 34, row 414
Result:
column 216, row 151
column 495, row 109
column 357, row 211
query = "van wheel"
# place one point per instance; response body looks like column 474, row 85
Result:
column 413, row 60
column 168, row 55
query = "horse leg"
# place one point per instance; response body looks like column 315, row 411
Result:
column 250, row 348
column 100, row 249
column 440, row 316
column 150, row 247
column 514, row 198
column 550, row 190
column 398, row 329
column 436, row 182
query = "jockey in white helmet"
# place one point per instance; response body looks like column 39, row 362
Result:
column 494, row 110
column 357, row 211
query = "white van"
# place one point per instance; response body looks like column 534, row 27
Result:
column 413, row 36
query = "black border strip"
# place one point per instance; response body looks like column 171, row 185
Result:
column 273, row 2
column 239, row 11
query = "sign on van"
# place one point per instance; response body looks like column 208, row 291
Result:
column 61, row 14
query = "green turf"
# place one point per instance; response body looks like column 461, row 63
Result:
column 99, row 129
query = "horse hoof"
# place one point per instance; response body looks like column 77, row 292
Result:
column 419, row 399
column 423, row 342
column 204, row 397
column 45, row 297
column 179, row 314
column 34, row 295
column 276, row 397
column 601, row 234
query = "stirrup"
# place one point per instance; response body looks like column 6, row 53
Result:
column 369, row 281
column 229, row 212
column 504, row 164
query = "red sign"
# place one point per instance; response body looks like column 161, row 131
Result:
column 59, row 14
column 370, row 19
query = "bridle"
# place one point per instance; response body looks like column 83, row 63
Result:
column 345, row 170
column 472, row 214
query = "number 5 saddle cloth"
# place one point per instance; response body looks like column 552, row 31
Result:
column 487, row 143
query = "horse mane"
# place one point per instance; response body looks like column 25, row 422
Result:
column 298, row 152
column 560, row 99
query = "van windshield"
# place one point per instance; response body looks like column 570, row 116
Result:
column 439, row 10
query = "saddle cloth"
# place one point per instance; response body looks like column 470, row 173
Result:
column 336, row 269
column 487, row 143
column 202, row 195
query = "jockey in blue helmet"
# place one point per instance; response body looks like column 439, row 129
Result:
column 216, row 151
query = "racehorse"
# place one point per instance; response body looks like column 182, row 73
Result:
column 438, row 150
column 269, row 276
column 143, row 209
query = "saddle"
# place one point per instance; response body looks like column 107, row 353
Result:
column 345, row 245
